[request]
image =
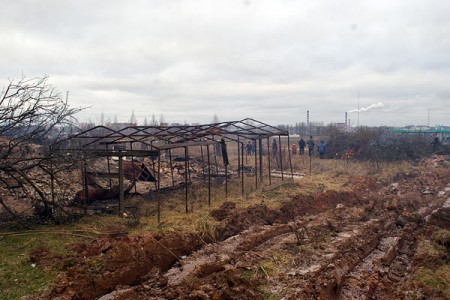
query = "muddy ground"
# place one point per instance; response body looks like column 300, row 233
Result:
column 361, row 243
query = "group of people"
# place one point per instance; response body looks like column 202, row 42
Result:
column 310, row 143
column 251, row 147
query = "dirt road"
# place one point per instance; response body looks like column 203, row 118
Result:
column 357, row 244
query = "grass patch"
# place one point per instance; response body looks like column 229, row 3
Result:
column 438, row 280
column 18, row 276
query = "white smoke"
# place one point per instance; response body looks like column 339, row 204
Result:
column 373, row 106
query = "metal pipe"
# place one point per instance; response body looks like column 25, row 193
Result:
column 159, row 186
column 203, row 163
column 256, row 165
column 121, row 195
column 242, row 164
column 134, row 171
column 109, row 169
column 281, row 158
column 186, row 177
column 171, row 167
column 260, row 161
column 290, row 159
column 226, row 181
column 209, row 177
column 239, row 157
column 268, row 161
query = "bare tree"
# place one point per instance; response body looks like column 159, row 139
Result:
column 162, row 120
column 133, row 119
column 215, row 119
column 153, row 121
column 33, row 118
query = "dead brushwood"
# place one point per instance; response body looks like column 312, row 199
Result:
column 299, row 231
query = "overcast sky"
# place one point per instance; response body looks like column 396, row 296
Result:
column 269, row 60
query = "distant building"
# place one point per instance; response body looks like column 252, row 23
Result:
column 86, row 126
column 119, row 126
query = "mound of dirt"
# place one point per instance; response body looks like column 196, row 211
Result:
column 441, row 218
column 106, row 263
column 302, row 205
column 258, row 214
column 43, row 257
column 223, row 211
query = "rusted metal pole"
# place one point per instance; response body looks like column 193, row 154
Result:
column 215, row 158
column 242, row 173
column 256, row 165
column 268, row 161
column 134, row 170
column 158, row 196
column 226, row 181
column 121, row 196
column 203, row 163
column 85, row 185
column 52, row 180
column 260, row 161
column 171, row 167
column 189, row 167
column 281, row 158
column 186, row 177
column 109, row 168
column 209, row 177
column 239, row 157
column 290, row 159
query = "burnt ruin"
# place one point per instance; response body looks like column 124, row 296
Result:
column 146, row 153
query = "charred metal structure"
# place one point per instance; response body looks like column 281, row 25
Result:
column 159, row 142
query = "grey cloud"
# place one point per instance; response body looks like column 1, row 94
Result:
column 265, row 59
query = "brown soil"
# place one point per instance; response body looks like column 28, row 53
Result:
column 358, row 244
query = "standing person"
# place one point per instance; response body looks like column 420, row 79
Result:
column 254, row 148
column 311, row 145
column 274, row 147
column 435, row 143
column 321, row 149
column 248, row 147
column 294, row 149
column 301, row 145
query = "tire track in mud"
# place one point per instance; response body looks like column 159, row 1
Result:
column 324, row 271
column 380, row 273
column 230, row 254
column 333, row 245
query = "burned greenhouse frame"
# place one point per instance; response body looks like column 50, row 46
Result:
column 159, row 142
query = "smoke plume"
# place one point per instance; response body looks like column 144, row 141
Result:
column 373, row 106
